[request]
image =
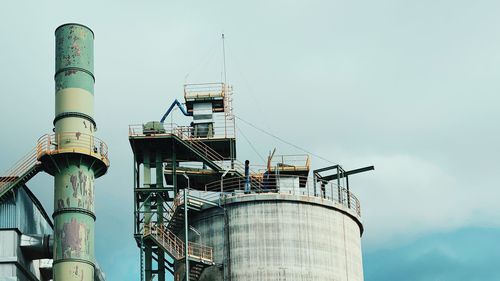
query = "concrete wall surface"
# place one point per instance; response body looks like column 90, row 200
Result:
column 280, row 237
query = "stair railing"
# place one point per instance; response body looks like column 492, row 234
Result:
column 13, row 175
column 175, row 246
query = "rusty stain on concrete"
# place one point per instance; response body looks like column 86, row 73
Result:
column 71, row 240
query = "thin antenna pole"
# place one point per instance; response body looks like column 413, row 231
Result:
column 224, row 58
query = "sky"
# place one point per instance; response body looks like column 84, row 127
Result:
column 408, row 86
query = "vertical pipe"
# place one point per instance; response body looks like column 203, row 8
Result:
column 137, row 218
column 148, row 263
column 159, row 185
column 141, row 252
column 314, row 182
column 136, row 210
column 338, row 183
column 348, row 192
column 146, row 165
column 247, row 176
column 186, row 234
column 147, row 168
column 174, row 169
column 74, row 217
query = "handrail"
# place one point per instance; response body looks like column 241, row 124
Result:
column 192, row 91
column 234, row 183
column 178, row 201
column 220, row 131
column 184, row 133
column 53, row 144
column 18, row 170
column 175, row 246
column 288, row 184
column 290, row 160
column 212, row 154
column 72, row 142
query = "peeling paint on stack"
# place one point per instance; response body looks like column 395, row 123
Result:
column 74, row 172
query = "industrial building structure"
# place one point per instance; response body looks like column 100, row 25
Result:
column 200, row 214
column 34, row 248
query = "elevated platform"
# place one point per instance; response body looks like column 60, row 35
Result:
column 290, row 185
column 291, row 165
column 213, row 155
column 165, row 143
column 60, row 149
column 198, row 177
column 215, row 93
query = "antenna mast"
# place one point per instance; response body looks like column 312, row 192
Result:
column 224, row 59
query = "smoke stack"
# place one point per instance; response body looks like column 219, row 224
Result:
column 76, row 157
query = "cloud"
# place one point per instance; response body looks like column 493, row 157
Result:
column 407, row 196
column 461, row 255
column 410, row 87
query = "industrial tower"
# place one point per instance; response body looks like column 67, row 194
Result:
column 200, row 214
column 161, row 147
column 71, row 154
column 78, row 157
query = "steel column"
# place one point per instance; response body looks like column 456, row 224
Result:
column 174, row 170
column 159, row 185
column 186, row 227
column 148, row 263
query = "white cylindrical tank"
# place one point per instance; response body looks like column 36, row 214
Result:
column 273, row 236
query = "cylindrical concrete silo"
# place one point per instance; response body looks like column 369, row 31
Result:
column 273, row 236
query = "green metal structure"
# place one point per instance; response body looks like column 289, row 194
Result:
column 202, row 215
column 73, row 155
column 162, row 203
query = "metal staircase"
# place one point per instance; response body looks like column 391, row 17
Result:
column 200, row 256
column 20, row 173
column 195, row 271
column 163, row 235
column 176, row 213
column 256, row 179
column 210, row 153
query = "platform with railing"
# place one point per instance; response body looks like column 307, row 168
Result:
column 73, row 142
column 220, row 131
column 283, row 184
column 218, row 94
column 290, row 163
column 219, row 149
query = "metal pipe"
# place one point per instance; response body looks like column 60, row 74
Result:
column 247, row 176
column 186, row 233
column 176, row 102
column 348, row 193
column 159, row 185
column 37, row 246
column 148, row 251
